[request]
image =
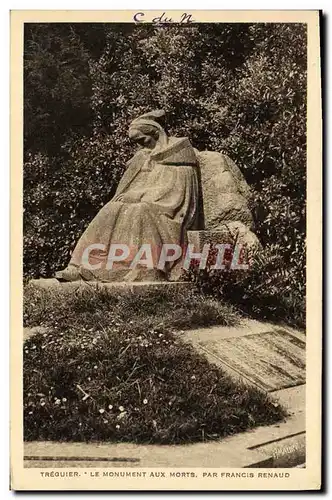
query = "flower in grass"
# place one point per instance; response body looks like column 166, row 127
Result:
column 58, row 401
column 193, row 377
column 101, row 410
column 42, row 403
column 121, row 415
column 117, row 426
column 110, row 407
column 121, row 408
column 95, row 367
column 145, row 401
column 64, row 400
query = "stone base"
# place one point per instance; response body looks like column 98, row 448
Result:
column 134, row 286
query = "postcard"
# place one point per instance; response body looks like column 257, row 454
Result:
column 166, row 250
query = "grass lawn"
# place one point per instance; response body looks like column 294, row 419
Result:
column 112, row 367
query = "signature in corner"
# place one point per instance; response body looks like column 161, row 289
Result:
column 163, row 19
column 285, row 450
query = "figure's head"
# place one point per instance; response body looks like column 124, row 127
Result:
column 147, row 130
column 144, row 135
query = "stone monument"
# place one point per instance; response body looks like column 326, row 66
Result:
column 172, row 196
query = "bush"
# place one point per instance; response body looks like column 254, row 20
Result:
column 234, row 88
column 268, row 290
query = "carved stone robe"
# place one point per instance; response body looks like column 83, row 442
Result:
column 156, row 203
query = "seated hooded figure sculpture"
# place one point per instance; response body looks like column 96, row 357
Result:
column 155, row 204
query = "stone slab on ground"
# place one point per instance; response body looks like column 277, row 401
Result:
column 268, row 356
column 279, row 445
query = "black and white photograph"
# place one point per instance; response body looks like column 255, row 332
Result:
column 164, row 267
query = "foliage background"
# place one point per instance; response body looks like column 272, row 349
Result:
column 234, row 88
